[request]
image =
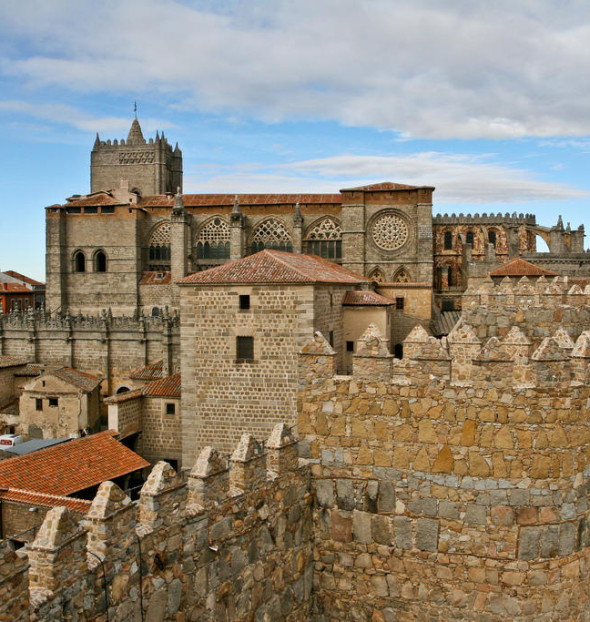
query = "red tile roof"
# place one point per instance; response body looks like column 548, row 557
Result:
column 269, row 266
column 37, row 498
column 11, row 361
column 164, row 387
column 71, row 467
column 22, row 277
column 78, row 379
column 149, row 372
column 244, row 200
column 16, row 288
column 155, row 278
column 123, row 397
column 521, row 267
column 386, row 186
column 97, row 198
column 366, row 299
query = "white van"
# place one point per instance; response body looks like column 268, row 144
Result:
column 10, row 439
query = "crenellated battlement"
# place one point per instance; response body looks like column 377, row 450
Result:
column 190, row 541
column 484, row 219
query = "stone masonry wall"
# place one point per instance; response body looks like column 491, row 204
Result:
column 101, row 345
column 227, row 544
column 441, row 499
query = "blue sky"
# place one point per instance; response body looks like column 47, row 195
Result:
column 487, row 101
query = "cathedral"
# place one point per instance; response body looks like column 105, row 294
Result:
column 125, row 245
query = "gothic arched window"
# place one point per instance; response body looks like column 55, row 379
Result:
column 100, row 262
column 469, row 238
column 213, row 240
column 324, row 239
column 377, row 276
column 79, row 262
column 271, row 234
column 159, row 247
column 492, row 237
column 401, row 276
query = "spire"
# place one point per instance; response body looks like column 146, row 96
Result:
column 97, row 141
column 560, row 223
column 135, row 136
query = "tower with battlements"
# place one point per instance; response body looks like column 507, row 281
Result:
column 150, row 167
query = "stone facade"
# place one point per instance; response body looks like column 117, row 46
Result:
column 232, row 541
column 102, row 345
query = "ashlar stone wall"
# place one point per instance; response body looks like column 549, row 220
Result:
column 231, row 542
column 447, row 500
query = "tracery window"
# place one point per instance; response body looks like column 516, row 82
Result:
column 324, row 239
column 214, row 240
column 389, row 231
column 271, row 234
column 377, row 276
column 159, row 247
column 401, row 276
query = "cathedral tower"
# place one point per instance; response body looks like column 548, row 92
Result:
column 150, row 167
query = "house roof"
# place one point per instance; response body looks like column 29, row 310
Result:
column 366, row 299
column 78, row 379
column 163, row 387
column 149, row 372
column 269, row 266
column 15, row 288
column 521, row 267
column 71, row 467
column 36, row 498
column 22, row 277
column 11, row 361
column 30, row 370
column 386, row 186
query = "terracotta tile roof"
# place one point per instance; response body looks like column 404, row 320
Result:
column 386, row 186
column 149, row 372
column 521, row 267
column 164, row 387
column 71, row 467
column 31, row 370
column 155, row 278
column 16, row 288
column 78, row 379
column 412, row 285
column 366, row 299
column 22, row 277
column 269, row 266
column 245, row 200
column 35, row 498
column 119, row 398
column 11, row 361
column 97, row 198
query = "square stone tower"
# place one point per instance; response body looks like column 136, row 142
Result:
column 151, row 167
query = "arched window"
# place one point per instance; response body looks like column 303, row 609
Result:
column 401, row 276
column 155, row 312
column 100, row 262
column 324, row 239
column 469, row 238
column 450, row 281
column 79, row 262
column 377, row 276
column 159, row 248
column 448, row 240
column 271, row 234
column 213, row 240
column 492, row 237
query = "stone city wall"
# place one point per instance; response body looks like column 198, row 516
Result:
column 441, row 499
column 103, row 345
column 227, row 544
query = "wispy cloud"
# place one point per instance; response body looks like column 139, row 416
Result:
column 458, row 178
column 421, row 67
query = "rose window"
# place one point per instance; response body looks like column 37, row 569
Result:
column 390, row 232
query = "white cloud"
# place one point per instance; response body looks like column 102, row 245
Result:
column 421, row 67
column 459, row 178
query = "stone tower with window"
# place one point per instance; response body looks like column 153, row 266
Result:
column 150, row 167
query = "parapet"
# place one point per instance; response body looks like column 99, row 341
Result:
column 497, row 219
